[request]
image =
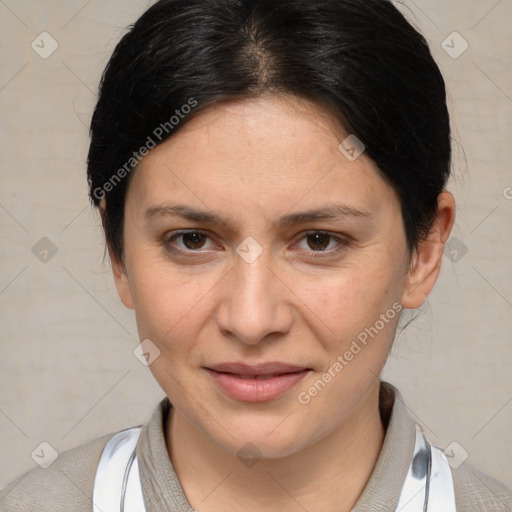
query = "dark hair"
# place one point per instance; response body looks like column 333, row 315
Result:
column 359, row 58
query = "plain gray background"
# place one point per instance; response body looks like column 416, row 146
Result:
column 67, row 371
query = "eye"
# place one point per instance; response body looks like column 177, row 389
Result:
column 191, row 241
column 322, row 242
column 316, row 243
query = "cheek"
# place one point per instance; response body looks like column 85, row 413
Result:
column 171, row 312
column 166, row 302
column 355, row 298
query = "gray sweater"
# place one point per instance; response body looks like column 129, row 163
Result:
column 67, row 485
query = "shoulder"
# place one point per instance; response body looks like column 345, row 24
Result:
column 66, row 485
column 475, row 490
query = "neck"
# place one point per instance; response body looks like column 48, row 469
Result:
column 329, row 475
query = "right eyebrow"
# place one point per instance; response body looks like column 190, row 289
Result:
column 328, row 212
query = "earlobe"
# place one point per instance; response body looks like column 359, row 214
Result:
column 426, row 261
column 122, row 281
column 120, row 274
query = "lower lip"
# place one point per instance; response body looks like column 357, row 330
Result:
column 256, row 390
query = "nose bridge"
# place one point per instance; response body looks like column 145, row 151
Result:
column 255, row 303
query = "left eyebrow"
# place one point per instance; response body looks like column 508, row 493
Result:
column 328, row 212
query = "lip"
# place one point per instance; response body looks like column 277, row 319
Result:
column 256, row 383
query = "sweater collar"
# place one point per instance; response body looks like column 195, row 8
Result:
column 163, row 492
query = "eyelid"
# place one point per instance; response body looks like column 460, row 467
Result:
column 342, row 241
column 169, row 237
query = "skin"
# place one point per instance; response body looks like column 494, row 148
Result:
column 252, row 162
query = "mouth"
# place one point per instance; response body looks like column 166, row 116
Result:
column 257, row 383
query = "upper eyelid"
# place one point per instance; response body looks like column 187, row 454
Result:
column 338, row 237
column 171, row 236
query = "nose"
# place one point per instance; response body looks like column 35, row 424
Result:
column 255, row 303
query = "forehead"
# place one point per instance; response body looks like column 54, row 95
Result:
column 266, row 155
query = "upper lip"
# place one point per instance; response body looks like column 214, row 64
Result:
column 273, row 368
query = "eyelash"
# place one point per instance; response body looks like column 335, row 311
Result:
column 342, row 243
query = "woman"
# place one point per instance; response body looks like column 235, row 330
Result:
column 271, row 180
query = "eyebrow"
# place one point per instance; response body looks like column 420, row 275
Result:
column 328, row 212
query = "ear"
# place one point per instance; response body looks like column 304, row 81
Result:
column 426, row 261
column 121, row 279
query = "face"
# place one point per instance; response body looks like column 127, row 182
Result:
column 232, row 274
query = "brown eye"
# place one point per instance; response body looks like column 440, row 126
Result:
column 193, row 240
column 321, row 244
column 318, row 241
column 186, row 241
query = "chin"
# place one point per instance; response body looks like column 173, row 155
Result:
column 269, row 437
column 249, row 447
